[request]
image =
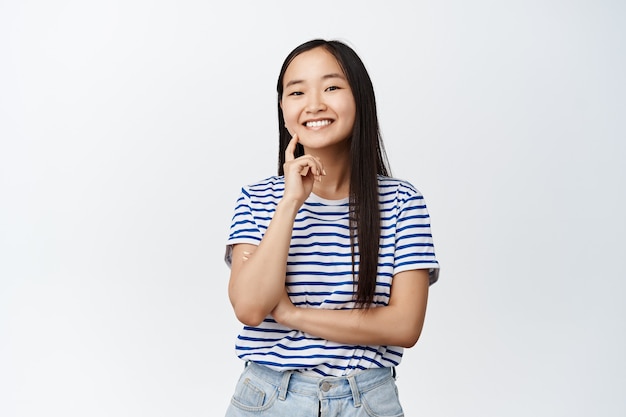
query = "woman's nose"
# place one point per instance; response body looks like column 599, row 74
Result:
column 315, row 104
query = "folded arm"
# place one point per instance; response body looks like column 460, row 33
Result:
column 257, row 282
column 397, row 324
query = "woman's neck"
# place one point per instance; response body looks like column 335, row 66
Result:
column 335, row 185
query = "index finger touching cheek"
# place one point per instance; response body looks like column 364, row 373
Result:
column 291, row 148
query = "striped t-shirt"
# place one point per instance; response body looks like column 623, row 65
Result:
column 319, row 271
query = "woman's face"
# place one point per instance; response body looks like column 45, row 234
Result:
column 317, row 100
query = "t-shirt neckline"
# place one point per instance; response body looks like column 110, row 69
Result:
column 317, row 199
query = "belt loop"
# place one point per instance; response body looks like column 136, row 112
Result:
column 356, row 396
column 284, row 384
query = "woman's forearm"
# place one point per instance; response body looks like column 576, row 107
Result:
column 257, row 282
column 376, row 326
column 397, row 324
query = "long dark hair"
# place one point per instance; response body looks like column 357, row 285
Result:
column 368, row 160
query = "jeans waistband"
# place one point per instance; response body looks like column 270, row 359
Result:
column 324, row 387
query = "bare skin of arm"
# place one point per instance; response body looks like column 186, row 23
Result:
column 257, row 284
column 397, row 324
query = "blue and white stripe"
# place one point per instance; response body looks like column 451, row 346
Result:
column 319, row 271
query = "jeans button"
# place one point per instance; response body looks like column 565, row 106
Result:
column 326, row 386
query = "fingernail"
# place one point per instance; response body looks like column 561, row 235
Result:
column 323, row 171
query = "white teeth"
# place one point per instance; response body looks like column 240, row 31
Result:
column 318, row 123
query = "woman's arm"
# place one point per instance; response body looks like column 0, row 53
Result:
column 257, row 282
column 397, row 324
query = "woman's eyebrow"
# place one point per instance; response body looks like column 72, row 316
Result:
column 333, row 75
column 324, row 77
column 292, row 82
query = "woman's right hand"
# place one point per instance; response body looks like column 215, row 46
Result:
column 300, row 173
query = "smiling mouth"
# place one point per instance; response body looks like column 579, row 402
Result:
column 318, row 123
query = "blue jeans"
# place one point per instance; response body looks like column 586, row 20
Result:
column 262, row 392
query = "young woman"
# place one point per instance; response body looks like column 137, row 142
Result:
column 331, row 259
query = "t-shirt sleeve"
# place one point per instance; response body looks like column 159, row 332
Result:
column 243, row 227
column 414, row 241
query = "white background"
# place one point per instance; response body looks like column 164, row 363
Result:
column 128, row 127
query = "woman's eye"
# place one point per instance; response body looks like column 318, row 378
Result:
column 296, row 93
column 332, row 88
